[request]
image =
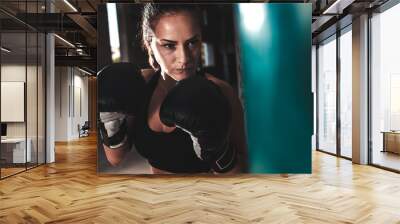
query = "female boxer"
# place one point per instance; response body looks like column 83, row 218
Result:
column 165, row 133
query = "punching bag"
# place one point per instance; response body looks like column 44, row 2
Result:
column 274, row 44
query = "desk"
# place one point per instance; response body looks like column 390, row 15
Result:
column 391, row 141
column 13, row 150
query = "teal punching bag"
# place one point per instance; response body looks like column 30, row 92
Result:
column 275, row 68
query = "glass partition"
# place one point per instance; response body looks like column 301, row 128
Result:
column 14, row 154
column 346, row 92
column 327, row 95
column 22, row 88
column 385, row 88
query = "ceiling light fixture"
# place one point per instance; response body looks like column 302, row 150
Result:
column 337, row 7
column 65, row 41
column 86, row 72
column 5, row 50
column 329, row 9
column 70, row 5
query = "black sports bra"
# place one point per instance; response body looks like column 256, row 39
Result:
column 172, row 152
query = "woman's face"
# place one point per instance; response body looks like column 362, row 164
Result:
column 176, row 45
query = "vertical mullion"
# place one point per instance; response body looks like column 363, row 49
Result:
column 73, row 92
column 369, row 91
column 60, row 89
column 37, row 89
column 317, row 96
column 338, row 98
column 0, row 94
column 26, row 85
column 69, row 92
column 45, row 87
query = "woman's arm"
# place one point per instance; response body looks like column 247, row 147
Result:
column 115, row 151
column 115, row 156
column 237, row 129
column 122, row 134
column 237, row 136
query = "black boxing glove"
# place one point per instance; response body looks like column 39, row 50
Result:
column 199, row 107
column 121, row 91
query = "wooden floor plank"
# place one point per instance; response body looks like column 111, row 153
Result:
column 70, row 191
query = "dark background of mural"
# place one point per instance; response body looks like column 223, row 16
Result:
column 272, row 77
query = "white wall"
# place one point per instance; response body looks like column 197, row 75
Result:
column 61, row 103
column 71, row 93
column 17, row 72
column 12, row 73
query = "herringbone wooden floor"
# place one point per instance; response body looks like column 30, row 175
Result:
column 70, row 191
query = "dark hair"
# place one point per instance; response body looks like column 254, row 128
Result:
column 153, row 12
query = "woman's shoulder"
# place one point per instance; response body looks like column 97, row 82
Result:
column 147, row 73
